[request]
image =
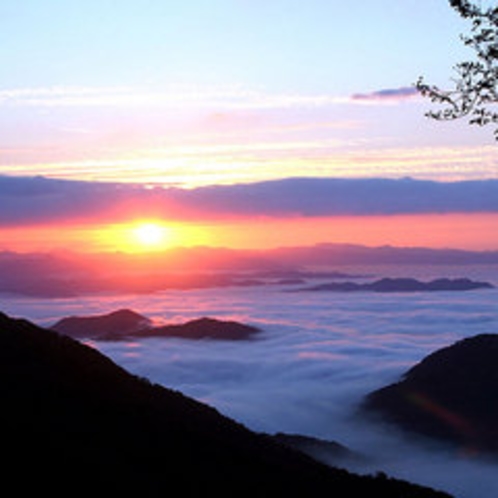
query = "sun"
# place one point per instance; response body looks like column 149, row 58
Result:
column 150, row 235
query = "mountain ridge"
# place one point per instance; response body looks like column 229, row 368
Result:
column 386, row 285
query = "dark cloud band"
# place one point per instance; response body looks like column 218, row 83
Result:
column 42, row 200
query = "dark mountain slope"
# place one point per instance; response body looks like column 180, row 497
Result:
column 74, row 423
column 450, row 395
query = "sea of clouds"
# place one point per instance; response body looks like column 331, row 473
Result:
column 318, row 355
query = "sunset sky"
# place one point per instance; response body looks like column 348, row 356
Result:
column 119, row 117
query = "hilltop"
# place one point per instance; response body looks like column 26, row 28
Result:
column 125, row 324
column 450, row 395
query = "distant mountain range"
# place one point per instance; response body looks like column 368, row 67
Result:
column 350, row 254
column 401, row 285
column 75, row 423
column 70, row 274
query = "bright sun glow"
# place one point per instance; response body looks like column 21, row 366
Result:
column 142, row 236
column 151, row 235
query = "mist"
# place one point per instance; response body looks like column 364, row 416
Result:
column 319, row 354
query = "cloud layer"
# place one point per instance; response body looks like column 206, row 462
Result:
column 42, row 200
column 316, row 359
column 179, row 96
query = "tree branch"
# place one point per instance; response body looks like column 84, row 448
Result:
column 476, row 88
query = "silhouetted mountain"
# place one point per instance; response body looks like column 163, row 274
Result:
column 401, row 285
column 73, row 423
column 203, row 328
column 451, row 395
column 121, row 322
column 124, row 324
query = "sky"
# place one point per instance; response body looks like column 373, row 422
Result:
column 165, row 95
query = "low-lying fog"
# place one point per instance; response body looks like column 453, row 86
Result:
column 318, row 355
